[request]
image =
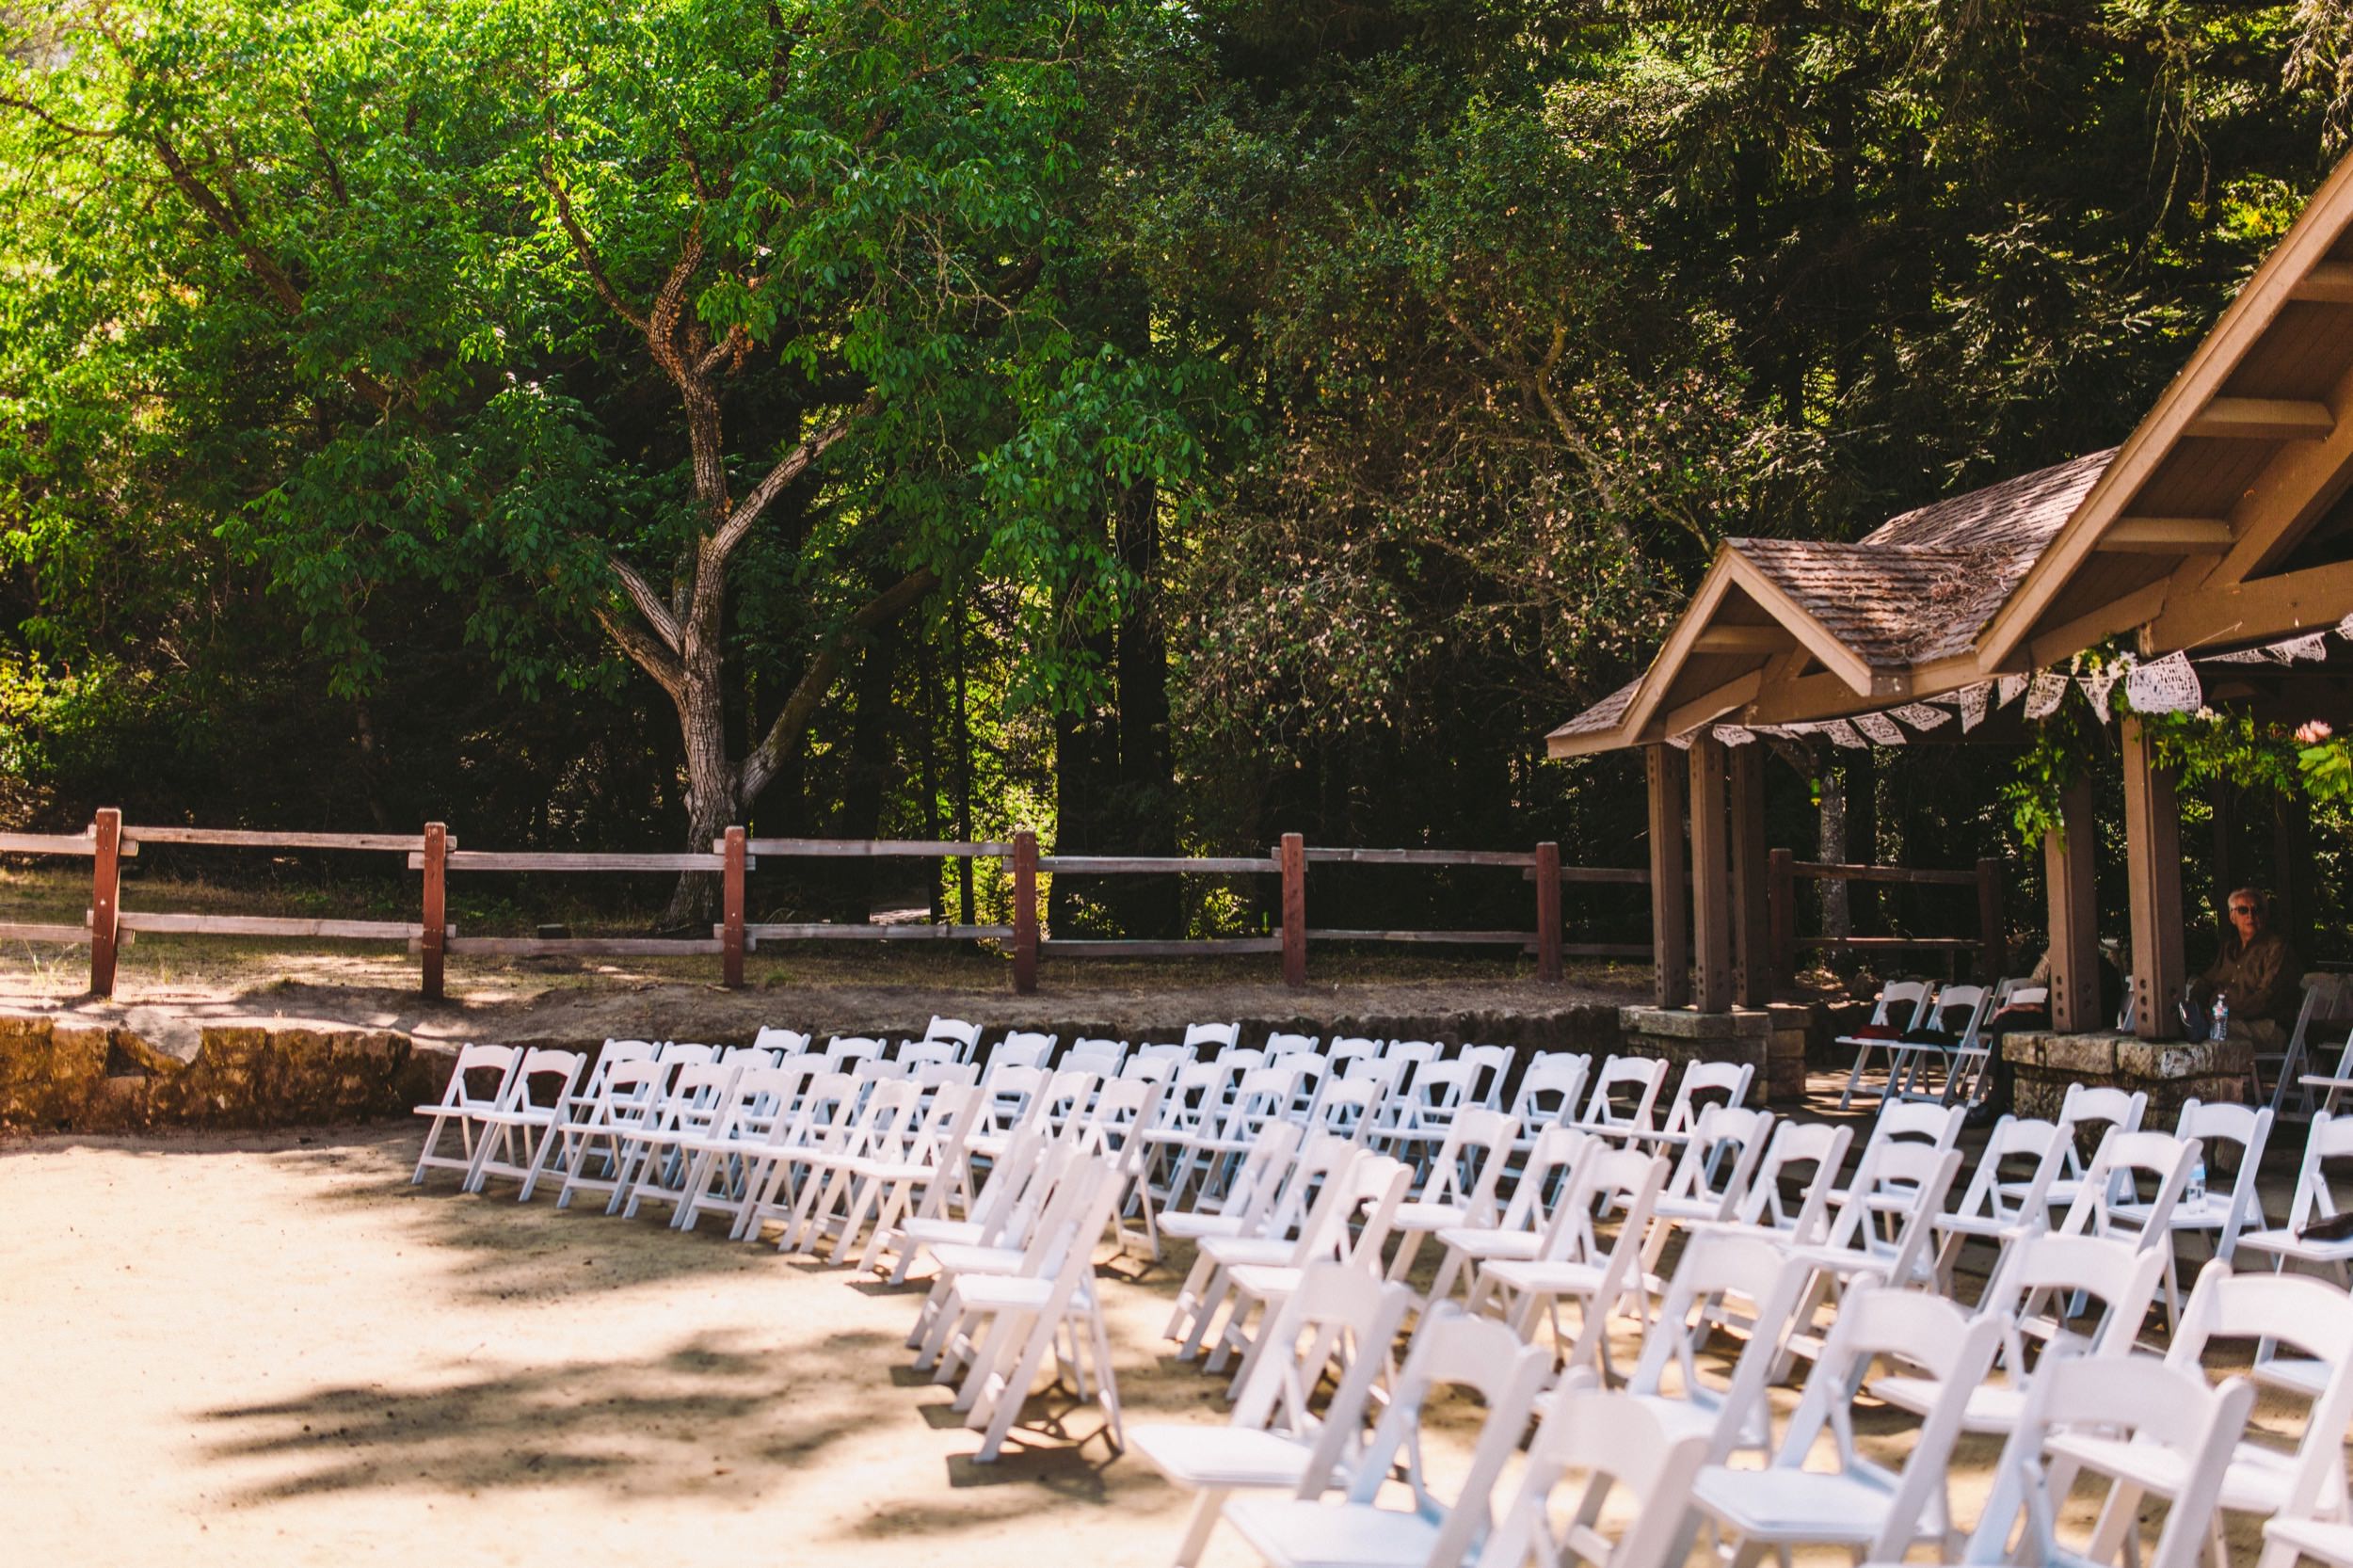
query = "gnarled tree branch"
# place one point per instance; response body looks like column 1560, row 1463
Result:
column 801, row 706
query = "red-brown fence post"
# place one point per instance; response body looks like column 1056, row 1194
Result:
column 433, row 943
column 731, row 911
column 1024, row 911
column 1293, row 857
column 106, row 898
column 1548, row 912
column 1780, row 892
column 1990, row 936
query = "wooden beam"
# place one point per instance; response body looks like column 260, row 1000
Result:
column 1215, row 865
column 106, row 898
column 1820, row 640
column 1742, row 639
column 2121, row 614
column 2312, row 600
column 1548, row 875
column 1293, row 856
column 2152, row 862
column 1025, row 934
column 1715, row 704
column 2297, row 488
column 1752, row 918
column 1670, row 937
column 433, row 947
column 2328, row 283
column 2166, row 537
column 731, row 910
column 1712, row 878
column 2262, row 419
column 160, row 924
column 2069, row 860
column 1205, row 946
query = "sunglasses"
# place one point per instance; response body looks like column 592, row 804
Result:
column 2242, row 909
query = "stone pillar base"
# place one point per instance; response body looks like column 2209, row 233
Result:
column 1679, row 1035
column 2170, row 1071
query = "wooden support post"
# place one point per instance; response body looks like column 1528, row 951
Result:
column 106, row 898
column 1780, row 893
column 1548, row 913
column 1992, row 942
column 1294, row 857
column 433, row 943
column 1024, row 911
column 2069, row 852
column 731, row 911
column 1752, row 916
column 2152, row 861
column 1670, row 937
column 1711, row 879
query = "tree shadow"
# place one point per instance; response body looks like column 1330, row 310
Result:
column 710, row 1415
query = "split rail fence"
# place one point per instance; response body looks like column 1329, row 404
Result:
column 436, row 855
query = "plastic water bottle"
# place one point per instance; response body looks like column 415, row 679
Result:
column 2194, row 1195
column 2221, row 1030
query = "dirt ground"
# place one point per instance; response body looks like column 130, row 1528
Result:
column 271, row 1348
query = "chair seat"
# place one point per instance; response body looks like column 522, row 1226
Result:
column 1793, row 1505
column 2297, row 1374
column 1203, row 1456
column 937, row 1232
column 1269, row 1282
column 1557, row 1278
column 967, row 1259
column 1005, row 1292
column 2257, row 1479
column 1991, row 1227
column 1233, row 1250
column 2314, row 1538
column 893, row 1169
column 537, row 1115
column 2286, row 1243
column 1481, row 1245
column 1991, row 1410
column 1293, row 1534
column 1431, row 1216
column 1689, row 1209
column 1194, row 1224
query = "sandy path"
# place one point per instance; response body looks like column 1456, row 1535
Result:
column 274, row 1351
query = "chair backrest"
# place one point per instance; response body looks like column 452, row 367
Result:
column 1727, row 1079
column 1013, row 1092
column 1249, row 1198
column 632, row 1093
column 1215, row 1036
column 1023, row 1048
column 2307, row 1317
column 789, row 1042
column 965, row 1036
column 2331, row 1137
column 1104, row 1056
column 1322, row 1166
column 2084, row 1105
column 765, row 1099
column 873, row 1069
column 2247, row 1131
column 686, row 1052
column 749, row 1056
column 1156, row 1069
column 1821, row 1146
column 1376, row 1187
column 1550, row 1090
column 1330, row 1317
column 1618, row 1446
column 1901, row 1004
column 1550, row 1161
column 916, row 1053
column 1350, row 1107
column 1490, row 1066
column 1959, row 1010
column 1415, row 1051
column 1719, row 1158
column 1386, row 1071
column 479, row 1079
column 1912, row 1326
column 2049, row 1267
column 1346, row 1048
column 1916, row 1122
column 1436, row 1094
column 1178, row 1055
column 1453, row 1350
column 697, row 1092
column 1625, row 1097
column 1996, row 1192
column 1279, row 1045
column 543, row 1079
column 842, row 1050
column 1608, row 1180
column 1889, row 1212
column 2135, row 1399
column 1721, row 1273
column 1469, row 1166
column 613, row 1051
column 2111, row 1201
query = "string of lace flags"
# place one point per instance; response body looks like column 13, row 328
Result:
column 2167, row 685
column 2043, row 694
column 1920, row 715
column 1973, row 705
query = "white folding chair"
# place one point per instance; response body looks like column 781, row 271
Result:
column 1573, row 1265
column 1022, row 1048
column 1520, row 1230
column 1425, row 1111
column 964, row 1037
column 748, row 1056
column 1898, row 1010
column 1958, row 1011
column 1350, row 1048
column 1879, row 1233
column 519, row 1137
column 731, row 1162
column 1724, row 1278
column 1221, row 1037
column 2219, row 1216
column 2326, row 1009
column 1107, row 1057
column 1279, row 1045
column 1308, row 1221
column 653, row 1162
column 1490, row 1066
column 2129, row 1192
column 1268, row 1203
column 476, row 1088
column 844, row 1051
column 1997, row 1204
column 1418, row 1052
column 687, row 1053
column 1711, row 1176
column 1435, row 1531
column 926, row 1054
column 1806, row 1155
column 1617, row 1447
column 2331, row 1137
column 829, row 1105
column 628, row 1102
column 1549, row 1091
column 877, row 1134
column 1729, row 1079
column 1276, row 1437
column 1459, row 1188
column 2081, row 1109
column 1872, row 1512
column 1369, row 1197
column 1623, row 1103
column 1909, row 1122
column 785, row 1042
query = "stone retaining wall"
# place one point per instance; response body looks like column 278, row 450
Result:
column 2170, row 1071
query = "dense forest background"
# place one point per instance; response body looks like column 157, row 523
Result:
column 1166, row 425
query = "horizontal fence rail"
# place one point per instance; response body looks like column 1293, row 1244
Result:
column 434, row 854
column 1783, row 871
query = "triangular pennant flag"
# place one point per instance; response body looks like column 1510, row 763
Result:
column 1682, row 742
column 2313, row 646
column 1734, row 735
column 1921, row 717
column 1973, row 705
column 2243, row 656
column 2043, row 697
column 2006, row 689
column 1886, row 732
column 1842, row 733
column 2344, row 626
column 2166, row 686
column 2098, row 685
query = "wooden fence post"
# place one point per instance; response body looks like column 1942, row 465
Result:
column 1294, row 862
column 1994, row 946
column 1548, row 913
column 731, row 911
column 433, row 943
column 1024, row 911
column 106, row 898
column 1781, row 895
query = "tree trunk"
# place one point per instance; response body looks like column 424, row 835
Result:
column 713, row 805
column 1837, row 916
column 1150, row 906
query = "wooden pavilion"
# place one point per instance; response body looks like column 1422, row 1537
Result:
column 2223, row 523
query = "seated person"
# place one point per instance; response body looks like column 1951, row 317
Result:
column 2255, row 973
